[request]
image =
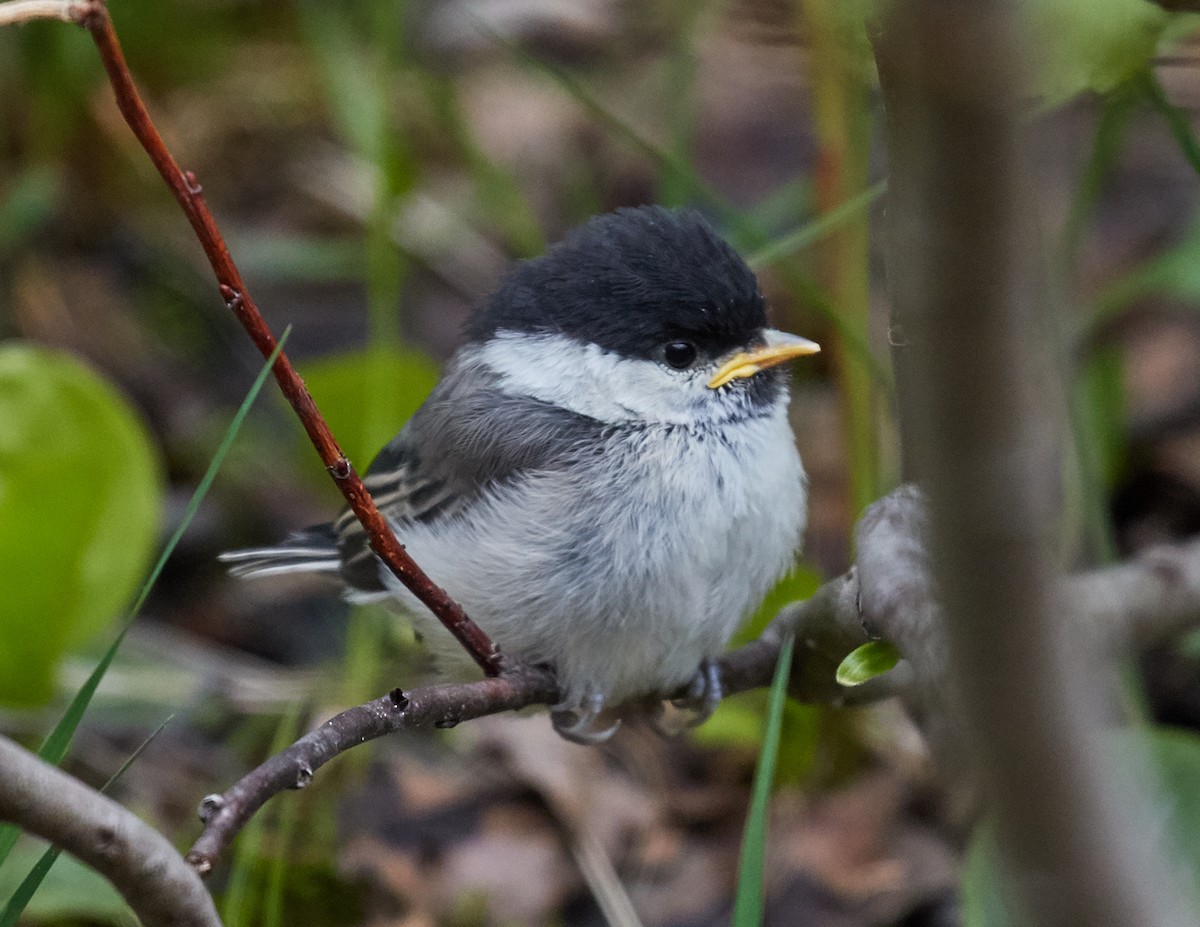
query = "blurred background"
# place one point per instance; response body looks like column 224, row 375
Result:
column 375, row 166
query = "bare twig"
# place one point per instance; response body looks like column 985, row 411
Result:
column 22, row 11
column 975, row 423
column 187, row 191
column 43, row 800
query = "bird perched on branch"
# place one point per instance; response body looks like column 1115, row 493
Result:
column 605, row 477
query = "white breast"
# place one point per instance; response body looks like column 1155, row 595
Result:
column 628, row 570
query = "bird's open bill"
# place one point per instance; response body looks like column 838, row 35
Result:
column 779, row 348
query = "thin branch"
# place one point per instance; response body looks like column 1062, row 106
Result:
column 187, row 191
column 140, row 862
column 23, row 11
column 888, row 595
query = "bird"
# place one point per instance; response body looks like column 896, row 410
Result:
column 605, row 477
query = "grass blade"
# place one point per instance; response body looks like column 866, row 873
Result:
column 289, row 815
column 242, row 896
column 55, row 746
column 814, row 231
column 29, row 885
column 748, row 903
column 1177, row 121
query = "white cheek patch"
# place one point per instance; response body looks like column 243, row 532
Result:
column 593, row 382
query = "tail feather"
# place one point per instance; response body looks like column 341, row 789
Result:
column 314, row 550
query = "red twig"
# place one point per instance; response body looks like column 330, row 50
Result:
column 187, row 191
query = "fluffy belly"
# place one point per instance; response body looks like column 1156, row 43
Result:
column 623, row 592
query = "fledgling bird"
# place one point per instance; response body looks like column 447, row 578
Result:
column 605, row 477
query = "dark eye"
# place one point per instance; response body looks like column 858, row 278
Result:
column 679, row 354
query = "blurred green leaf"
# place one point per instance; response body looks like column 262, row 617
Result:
column 292, row 258
column 70, row 892
column 1092, row 46
column 352, row 79
column 864, row 663
column 55, row 746
column 25, row 205
column 1174, row 274
column 799, row 584
column 738, row 720
column 80, row 495
column 1167, row 762
column 367, row 395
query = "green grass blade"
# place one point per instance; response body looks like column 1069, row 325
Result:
column 55, row 746
column 748, row 903
column 289, row 815
column 29, row 885
column 20, row 898
column 814, row 231
column 1177, row 121
column 241, row 900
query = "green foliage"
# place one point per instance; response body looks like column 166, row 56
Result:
column 55, row 746
column 19, row 900
column 80, row 494
column 1090, row 46
column 1174, row 274
column 738, row 720
column 244, row 892
column 70, row 890
column 864, row 663
column 366, row 395
column 1168, row 760
column 748, row 902
column 25, row 205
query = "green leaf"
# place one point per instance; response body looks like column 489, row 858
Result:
column 1166, row 762
column 863, row 663
column 748, row 903
column 367, row 395
column 55, row 746
column 80, row 497
column 71, row 891
column 1174, row 274
column 1090, row 46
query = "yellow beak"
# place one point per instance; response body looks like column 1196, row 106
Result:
column 778, row 348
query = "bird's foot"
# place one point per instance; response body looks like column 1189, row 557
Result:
column 704, row 693
column 576, row 720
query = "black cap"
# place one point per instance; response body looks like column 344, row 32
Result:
column 630, row 282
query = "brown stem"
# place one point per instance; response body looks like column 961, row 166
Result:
column 187, row 191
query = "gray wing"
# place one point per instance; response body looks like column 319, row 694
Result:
column 469, row 436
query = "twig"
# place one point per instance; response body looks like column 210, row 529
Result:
column 21, row 11
column 888, row 595
column 436, row 706
column 186, row 189
column 151, row 876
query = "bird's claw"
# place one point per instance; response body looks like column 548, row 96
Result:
column 575, row 720
column 704, row 693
